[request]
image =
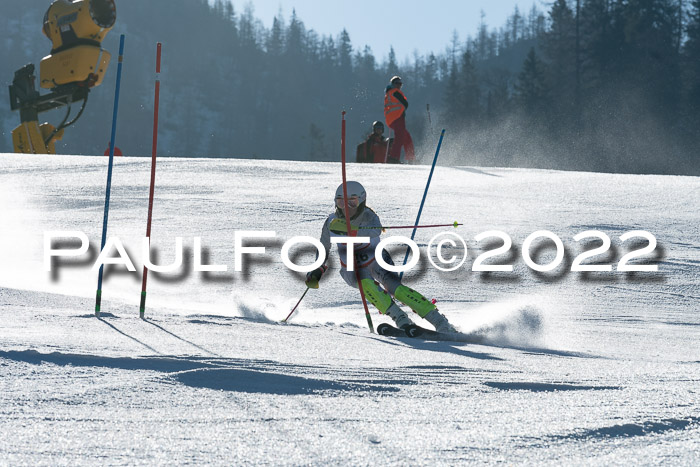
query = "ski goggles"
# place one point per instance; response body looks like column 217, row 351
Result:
column 353, row 202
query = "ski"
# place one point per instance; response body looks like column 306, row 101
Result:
column 417, row 332
column 386, row 329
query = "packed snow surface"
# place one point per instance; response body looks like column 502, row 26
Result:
column 570, row 368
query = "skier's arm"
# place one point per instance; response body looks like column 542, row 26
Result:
column 326, row 239
column 314, row 276
column 401, row 99
column 370, row 219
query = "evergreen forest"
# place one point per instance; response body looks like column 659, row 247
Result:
column 598, row 85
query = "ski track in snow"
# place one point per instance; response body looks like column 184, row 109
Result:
column 568, row 369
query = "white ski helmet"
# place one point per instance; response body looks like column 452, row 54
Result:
column 355, row 190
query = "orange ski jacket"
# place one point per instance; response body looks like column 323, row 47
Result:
column 395, row 104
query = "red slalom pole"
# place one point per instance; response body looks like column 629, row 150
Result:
column 351, row 232
column 142, row 308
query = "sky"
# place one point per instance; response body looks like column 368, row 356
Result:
column 408, row 25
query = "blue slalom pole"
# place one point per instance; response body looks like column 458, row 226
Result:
column 425, row 195
column 98, row 298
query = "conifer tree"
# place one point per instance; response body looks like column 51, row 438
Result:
column 392, row 67
column 468, row 90
column 692, row 60
column 452, row 98
column 530, row 89
column 559, row 46
column 345, row 53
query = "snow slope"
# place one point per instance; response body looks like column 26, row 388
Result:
column 574, row 368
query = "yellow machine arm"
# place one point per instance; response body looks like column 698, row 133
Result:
column 76, row 63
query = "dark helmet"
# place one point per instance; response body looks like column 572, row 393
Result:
column 377, row 124
column 396, row 80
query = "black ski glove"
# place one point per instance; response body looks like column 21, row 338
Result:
column 314, row 276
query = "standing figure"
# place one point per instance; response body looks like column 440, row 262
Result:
column 374, row 149
column 395, row 105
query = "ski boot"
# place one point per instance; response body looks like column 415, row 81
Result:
column 438, row 320
column 424, row 308
column 400, row 318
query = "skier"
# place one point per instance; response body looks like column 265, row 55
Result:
column 374, row 149
column 367, row 223
column 395, row 105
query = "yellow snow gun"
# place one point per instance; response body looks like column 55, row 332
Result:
column 76, row 64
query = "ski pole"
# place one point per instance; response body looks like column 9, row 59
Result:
column 455, row 224
column 98, row 296
column 425, row 194
column 295, row 306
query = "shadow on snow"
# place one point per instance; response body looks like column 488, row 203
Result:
column 544, row 387
column 248, row 376
column 628, row 430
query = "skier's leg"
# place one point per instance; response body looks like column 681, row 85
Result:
column 349, row 277
column 392, row 283
column 399, row 127
column 408, row 146
column 381, row 297
column 389, row 280
column 414, row 300
column 377, row 297
column 423, row 307
column 409, row 297
column 384, row 303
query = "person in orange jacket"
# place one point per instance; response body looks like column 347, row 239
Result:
column 374, row 149
column 395, row 105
